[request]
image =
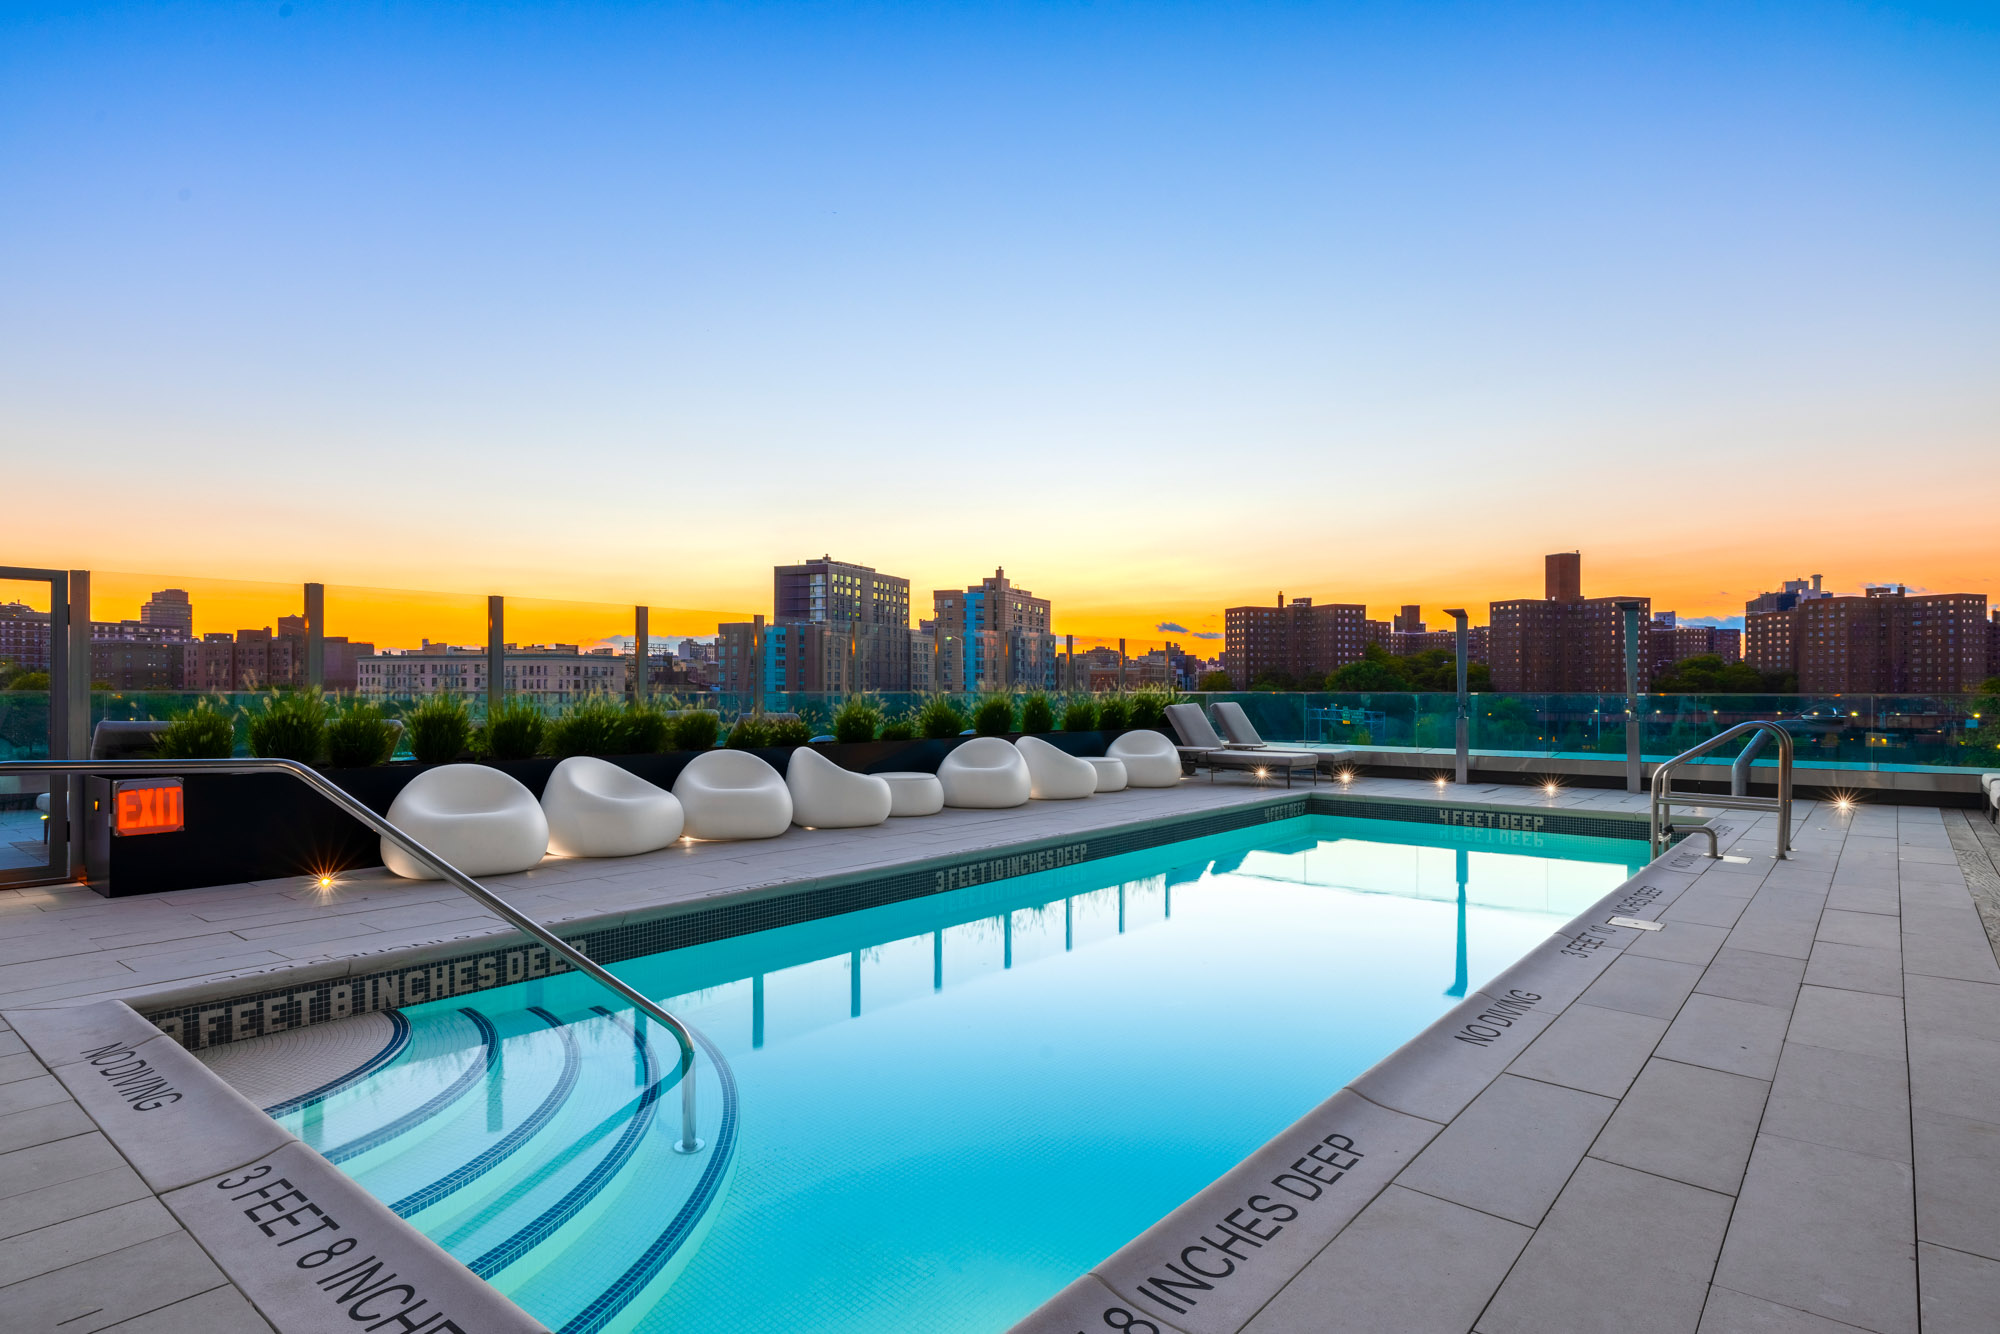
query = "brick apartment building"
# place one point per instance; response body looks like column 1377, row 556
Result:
column 1563, row 641
column 1669, row 642
column 1406, row 634
column 1297, row 639
column 1884, row 641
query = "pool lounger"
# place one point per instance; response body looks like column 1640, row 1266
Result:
column 1239, row 733
column 1201, row 747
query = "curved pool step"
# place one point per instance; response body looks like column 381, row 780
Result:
column 473, row 1074
column 497, row 1153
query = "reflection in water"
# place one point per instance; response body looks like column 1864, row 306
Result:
column 1463, row 870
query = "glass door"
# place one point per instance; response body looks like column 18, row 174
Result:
column 34, row 659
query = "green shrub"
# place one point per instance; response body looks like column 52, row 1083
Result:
column 1080, row 714
column 1037, row 713
column 789, row 732
column 695, row 729
column 1149, row 705
column 359, row 737
column 939, row 717
column 646, row 729
column 514, row 731
column 1114, row 713
column 591, row 726
column 199, row 733
column 902, row 728
column 858, row 719
column 751, row 731
column 30, row 681
column 994, row 716
column 291, row 727
column 440, row 729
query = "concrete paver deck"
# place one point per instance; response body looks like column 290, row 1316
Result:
column 1778, row 1112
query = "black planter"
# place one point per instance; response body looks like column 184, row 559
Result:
column 242, row 827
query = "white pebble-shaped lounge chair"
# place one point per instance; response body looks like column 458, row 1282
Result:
column 1150, row 759
column 597, row 809
column 475, row 817
column 985, row 774
column 1055, row 775
column 733, row 794
column 826, row 796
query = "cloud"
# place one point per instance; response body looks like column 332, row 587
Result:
column 1168, row 627
column 1719, row 622
column 1208, row 634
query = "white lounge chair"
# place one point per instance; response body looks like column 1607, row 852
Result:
column 826, row 796
column 596, row 809
column 985, row 774
column 729, row 794
column 472, row 815
column 1150, row 759
column 1053, row 774
column 1990, row 783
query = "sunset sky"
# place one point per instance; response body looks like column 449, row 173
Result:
column 1165, row 307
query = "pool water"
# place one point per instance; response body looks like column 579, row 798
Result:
column 933, row 1115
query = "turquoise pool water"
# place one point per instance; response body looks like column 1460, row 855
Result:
column 933, row 1115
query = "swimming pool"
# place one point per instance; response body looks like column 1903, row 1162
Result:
column 934, row 1114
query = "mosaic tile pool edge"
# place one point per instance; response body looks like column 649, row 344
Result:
column 235, row 1017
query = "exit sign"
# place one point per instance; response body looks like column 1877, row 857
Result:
column 146, row 806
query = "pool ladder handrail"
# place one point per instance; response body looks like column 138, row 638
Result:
column 1665, row 798
column 318, row 782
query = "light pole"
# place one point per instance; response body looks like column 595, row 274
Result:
column 1464, row 727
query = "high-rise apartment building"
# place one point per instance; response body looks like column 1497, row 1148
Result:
column 993, row 636
column 1884, row 641
column 1563, row 641
column 170, row 607
column 863, row 616
column 1294, row 639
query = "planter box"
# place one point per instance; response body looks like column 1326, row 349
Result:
column 242, row 827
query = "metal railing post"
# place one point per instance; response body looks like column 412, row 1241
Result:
column 318, row 782
column 76, row 685
column 315, row 602
column 642, row 653
column 496, row 654
column 1463, row 730
column 1634, row 765
column 1739, row 772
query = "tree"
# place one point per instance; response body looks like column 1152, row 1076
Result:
column 1377, row 670
column 1708, row 674
column 1275, row 680
column 1214, row 681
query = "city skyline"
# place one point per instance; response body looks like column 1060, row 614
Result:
column 405, row 617
column 1708, row 293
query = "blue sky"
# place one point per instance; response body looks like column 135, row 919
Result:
column 632, row 301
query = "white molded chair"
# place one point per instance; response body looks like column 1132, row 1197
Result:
column 985, row 774
column 1110, row 772
column 733, row 794
column 596, row 809
column 475, row 817
column 1053, row 774
column 826, row 796
column 912, row 793
column 1150, row 759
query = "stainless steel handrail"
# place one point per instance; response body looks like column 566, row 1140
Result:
column 1664, row 797
column 458, row 879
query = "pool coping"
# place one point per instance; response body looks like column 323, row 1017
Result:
column 245, row 1189
column 1257, row 1226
